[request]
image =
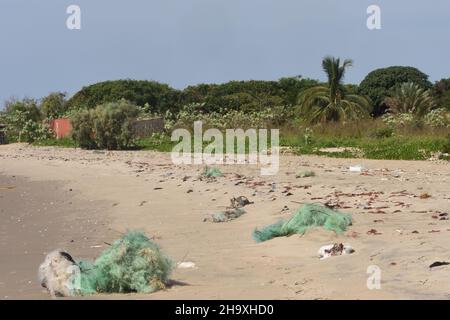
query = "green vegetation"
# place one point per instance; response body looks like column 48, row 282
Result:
column 395, row 113
column 108, row 126
column 159, row 97
column 331, row 102
column 410, row 98
column 52, row 142
column 378, row 83
column 363, row 139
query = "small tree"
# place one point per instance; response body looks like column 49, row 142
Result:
column 378, row 84
column 54, row 105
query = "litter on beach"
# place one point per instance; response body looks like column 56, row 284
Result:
column 131, row 264
column 355, row 169
column 307, row 216
column 186, row 265
column 335, row 249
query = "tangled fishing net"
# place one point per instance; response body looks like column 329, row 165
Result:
column 131, row 264
column 212, row 172
column 307, row 216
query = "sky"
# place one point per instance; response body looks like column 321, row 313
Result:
column 186, row 42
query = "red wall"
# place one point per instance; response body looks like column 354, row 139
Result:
column 61, row 127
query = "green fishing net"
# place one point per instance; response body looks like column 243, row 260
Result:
column 307, row 216
column 212, row 172
column 131, row 264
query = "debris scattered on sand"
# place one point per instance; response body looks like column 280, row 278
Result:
column 186, row 265
column 355, row 169
column 425, row 196
column 7, row 187
column 373, row 232
column 225, row 216
column 439, row 264
column 239, row 202
column 335, row 249
column 306, row 174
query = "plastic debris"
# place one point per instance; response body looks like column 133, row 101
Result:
column 226, row 216
column 56, row 273
column 306, row 174
column 335, row 249
column 307, row 216
column 186, row 265
column 355, row 168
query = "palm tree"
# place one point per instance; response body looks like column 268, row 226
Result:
column 330, row 102
column 410, row 98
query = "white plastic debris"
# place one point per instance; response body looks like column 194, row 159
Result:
column 56, row 272
column 335, row 249
column 355, row 168
column 186, row 265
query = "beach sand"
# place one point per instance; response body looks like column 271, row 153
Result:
column 77, row 200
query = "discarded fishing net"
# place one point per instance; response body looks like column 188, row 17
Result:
column 211, row 172
column 131, row 264
column 225, row 216
column 307, row 216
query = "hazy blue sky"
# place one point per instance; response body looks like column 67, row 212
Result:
column 184, row 42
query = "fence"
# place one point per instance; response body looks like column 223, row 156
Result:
column 2, row 134
column 145, row 128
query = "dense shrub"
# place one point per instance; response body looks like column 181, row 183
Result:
column 108, row 126
column 437, row 118
column 21, row 126
column 398, row 120
column 381, row 133
column 441, row 90
column 27, row 107
column 377, row 84
column 248, row 96
column 229, row 119
column 160, row 97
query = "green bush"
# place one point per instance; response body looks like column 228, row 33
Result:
column 21, row 126
column 108, row 126
column 378, row 83
column 381, row 133
column 160, row 97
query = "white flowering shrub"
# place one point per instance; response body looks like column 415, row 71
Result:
column 437, row 118
column 398, row 120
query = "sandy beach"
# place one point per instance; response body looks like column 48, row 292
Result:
column 80, row 200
